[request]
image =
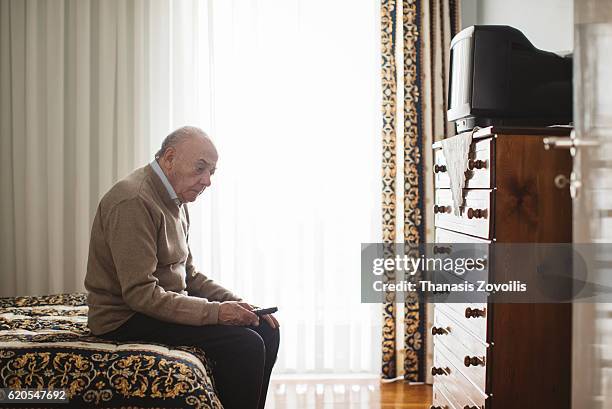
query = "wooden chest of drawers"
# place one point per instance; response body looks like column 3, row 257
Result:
column 504, row 356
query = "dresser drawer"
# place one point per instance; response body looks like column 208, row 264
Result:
column 449, row 236
column 476, row 324
column 440, row 401
column 475, row 216
column 469, row 354
column 461, row 392
column 481, row 161
column 451, row 243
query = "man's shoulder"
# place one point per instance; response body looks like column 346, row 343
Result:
column 134, row 187
column 125, row 189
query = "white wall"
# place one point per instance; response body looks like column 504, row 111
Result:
column 548, row 24
column 469, row 13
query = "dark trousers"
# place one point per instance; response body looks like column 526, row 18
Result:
column 242, row 357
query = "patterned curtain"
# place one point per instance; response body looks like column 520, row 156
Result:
column 427, row 28
column 389, row 171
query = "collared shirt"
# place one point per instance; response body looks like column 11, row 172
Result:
column 158, row 170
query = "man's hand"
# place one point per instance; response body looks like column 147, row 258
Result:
column 237, row 313
column 270, row 319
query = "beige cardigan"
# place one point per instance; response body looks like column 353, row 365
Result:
column 140, row 261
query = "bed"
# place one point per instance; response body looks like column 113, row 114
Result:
column 45, row 343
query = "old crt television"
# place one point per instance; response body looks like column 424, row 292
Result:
column 497, row 77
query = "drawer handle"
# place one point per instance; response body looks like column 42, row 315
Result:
column 473, row 361
column 438, row 407
column 438, row 331
column 475, row 313
column 440, row 209
column 476, row 213
column 442, row 250
column 470, row 407
column 439, row 168
column 476, row 164
column 437, row 371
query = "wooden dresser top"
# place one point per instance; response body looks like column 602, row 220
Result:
column 511, row 130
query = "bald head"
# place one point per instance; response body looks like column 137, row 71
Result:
column 180, row 135
column 188, row 158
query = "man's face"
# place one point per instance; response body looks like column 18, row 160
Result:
column 189, row 167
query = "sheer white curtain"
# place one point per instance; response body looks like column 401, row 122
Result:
column 297, row 122
column 289, row 91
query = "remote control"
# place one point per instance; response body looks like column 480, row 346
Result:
column 265, row 311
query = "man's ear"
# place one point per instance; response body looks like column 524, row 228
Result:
column 170, row 157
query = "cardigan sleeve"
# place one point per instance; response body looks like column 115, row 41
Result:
column 131, row 236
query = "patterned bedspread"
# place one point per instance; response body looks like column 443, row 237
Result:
column 45, row 343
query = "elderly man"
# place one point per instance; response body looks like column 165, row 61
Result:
column 142, row 284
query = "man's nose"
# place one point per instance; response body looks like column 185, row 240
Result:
column 205, row 180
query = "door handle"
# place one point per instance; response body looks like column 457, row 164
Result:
column 572, row 143
column 568, row 142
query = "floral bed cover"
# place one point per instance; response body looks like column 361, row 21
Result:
column 45, row 343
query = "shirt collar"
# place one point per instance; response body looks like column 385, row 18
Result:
column 162, row 176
